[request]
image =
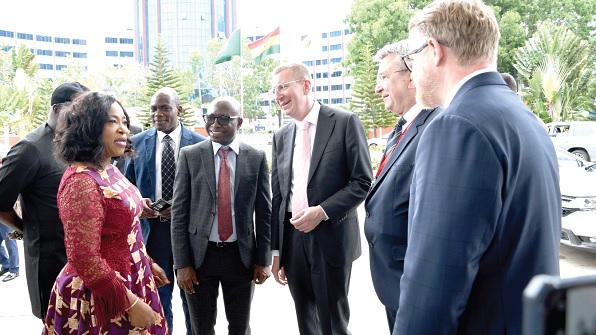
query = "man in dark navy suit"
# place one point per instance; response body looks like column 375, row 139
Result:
column 485, row 203
column 386, row 205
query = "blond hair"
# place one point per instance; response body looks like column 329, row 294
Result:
column 298, row 69
column 468, row 27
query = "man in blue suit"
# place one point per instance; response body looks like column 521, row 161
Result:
column 386, row 205
column 145, row 172
column 485, row 204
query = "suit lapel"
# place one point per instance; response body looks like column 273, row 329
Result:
column 241, row 166
column 185, row 138
column 287, row 155
column 150, row 145
column 325, row 125
column 208, row 160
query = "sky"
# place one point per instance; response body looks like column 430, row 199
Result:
column 258, row 17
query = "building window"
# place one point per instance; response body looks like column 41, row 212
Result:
column 324, row 62
column 23, row 36
column 7, row 47
column 324, row 48
column 347, row 32
column 326, row 101
column 325, row 88
column 111, row 40
column 61, row 54
column 336, row 87
column 79, row 54
column 112, row 53
column 307, row 63
column 348, row 86
column 324, row 35
column 336, row 74
column 318, row 88
column 41, row 38
column 318, row 75
column 61, row 40
column 6, row 33
column 335, row 33
column 46, row 66
column 335, row 60
column 60, row 67
column 335, row 47
column 44, row 52
column 79, row 42
column 126, row 54
column 318, row 62
column 325, row 74
column 126, row 41
column 337, row 101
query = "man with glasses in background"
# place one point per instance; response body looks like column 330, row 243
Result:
column 386, row 205
column 31, row 173
column 320, row 174
column 152, row 171
column 221, row 219
column 485, row 204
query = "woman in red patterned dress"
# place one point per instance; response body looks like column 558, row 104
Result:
column 109, row 285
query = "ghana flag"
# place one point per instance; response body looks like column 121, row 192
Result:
column 264, row 46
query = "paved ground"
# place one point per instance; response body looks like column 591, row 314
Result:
column 272, row 309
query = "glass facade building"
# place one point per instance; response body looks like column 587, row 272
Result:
column 184, row 25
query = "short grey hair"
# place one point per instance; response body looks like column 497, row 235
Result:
column 399, row 48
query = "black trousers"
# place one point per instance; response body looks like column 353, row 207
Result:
column 319, row 290
column 222, row 265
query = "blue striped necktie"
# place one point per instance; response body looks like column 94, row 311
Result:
column 392, row 142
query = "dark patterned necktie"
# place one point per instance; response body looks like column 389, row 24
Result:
column 391, row 144
column 224, row 198
column 168, row 167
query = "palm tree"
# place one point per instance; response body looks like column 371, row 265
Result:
column 553, row 63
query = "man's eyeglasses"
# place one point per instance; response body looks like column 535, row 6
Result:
column 408, row 61
column 381, row 78
column 221, row 119
column 283, row 86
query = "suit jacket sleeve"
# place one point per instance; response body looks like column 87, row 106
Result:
column 263, row 214
column 181, row 203
column 359, row 169
column 454, row 207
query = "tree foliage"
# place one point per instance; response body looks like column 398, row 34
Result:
column 554, row 62
column 365, row 101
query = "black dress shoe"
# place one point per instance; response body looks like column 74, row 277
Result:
column 10, row 276
column 2, row 272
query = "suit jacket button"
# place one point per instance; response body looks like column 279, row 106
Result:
column 370, row 245
column 367, row 214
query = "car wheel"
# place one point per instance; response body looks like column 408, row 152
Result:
column 372, row 145
column 582, row 154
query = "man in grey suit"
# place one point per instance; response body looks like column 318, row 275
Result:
column 386, row 205
column 485, row 204
column 321, row 173
column 221, row 219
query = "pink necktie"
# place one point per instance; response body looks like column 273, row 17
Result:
column 301, row 166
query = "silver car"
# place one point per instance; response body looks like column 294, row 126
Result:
column 576, row 137
column 578, row 191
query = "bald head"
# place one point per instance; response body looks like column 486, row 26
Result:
column 510, row 81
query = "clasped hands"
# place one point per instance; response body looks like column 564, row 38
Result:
column 308, row 219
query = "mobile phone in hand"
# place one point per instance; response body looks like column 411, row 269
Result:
column 160, row 205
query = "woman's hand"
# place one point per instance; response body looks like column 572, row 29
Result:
column 159, row 275
column 141, row 315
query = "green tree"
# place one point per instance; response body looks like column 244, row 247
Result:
column 161, row 75
column 554, row 64
column 367, row 103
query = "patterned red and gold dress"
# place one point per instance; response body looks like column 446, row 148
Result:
column 106, row 255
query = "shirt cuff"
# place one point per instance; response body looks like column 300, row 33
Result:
column 326, row 216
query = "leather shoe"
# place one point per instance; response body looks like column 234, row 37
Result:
column 10, row 276
column 2, row 272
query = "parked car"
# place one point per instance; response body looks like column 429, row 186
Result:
column 578, row 193
column 378, row 142
column 577, row 137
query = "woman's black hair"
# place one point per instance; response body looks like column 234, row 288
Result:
column 80, row 127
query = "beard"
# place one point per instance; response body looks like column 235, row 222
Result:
column 427, row 89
